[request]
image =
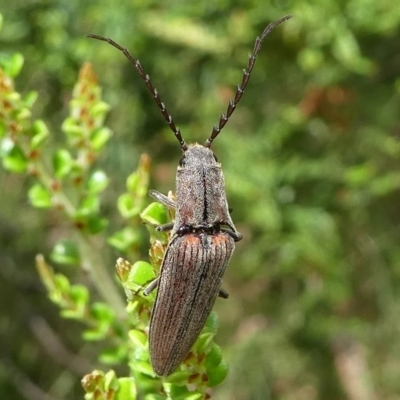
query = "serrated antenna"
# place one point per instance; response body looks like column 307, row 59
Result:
column 147, row 81
column 245, row 79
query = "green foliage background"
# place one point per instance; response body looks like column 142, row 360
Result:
column 311, row 166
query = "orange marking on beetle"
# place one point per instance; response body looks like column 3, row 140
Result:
column 220, row 239
column 191, row 239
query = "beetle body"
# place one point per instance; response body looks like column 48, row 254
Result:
column 201, row 245
column 202, row 237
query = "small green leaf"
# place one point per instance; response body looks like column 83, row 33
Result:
column 124, row 239
column 13, row 157
column 93, row 335
column 179, row 377
column 114, row 355
column 111, row 381
column 138, row 181
column 212, row 322
column 61, row 282
column 12, row 65
column 143, row 367
column 103, row 317
column 62, row 163
column 204, row 342
column 89, row 205
column 75, row 132
column 141, row 348
column 79, row 295
column 17, row 62
column 99, row 109
column 218, row 374
column 40, row 133
column 140, row 274
column 179, row 391
column 39, row 196
column 89, row 222
column 154, row 214
column 30, row 98
column 138, row 338
column 97, row 182
column 95, row 224
column 127, row 389
column 65, row 252
column 58, row 289
column 100, row 137
column 22, row 113
column 102, row 312
column 127, row 206
column 132, row 182
column 214, row 357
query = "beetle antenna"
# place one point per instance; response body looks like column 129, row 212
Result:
column 245, row 79
column 147, row 81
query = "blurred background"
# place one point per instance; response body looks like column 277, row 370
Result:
column 311, row 162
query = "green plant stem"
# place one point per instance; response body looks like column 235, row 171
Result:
column 47, row 181
column 101, row 277
column 91, row 260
